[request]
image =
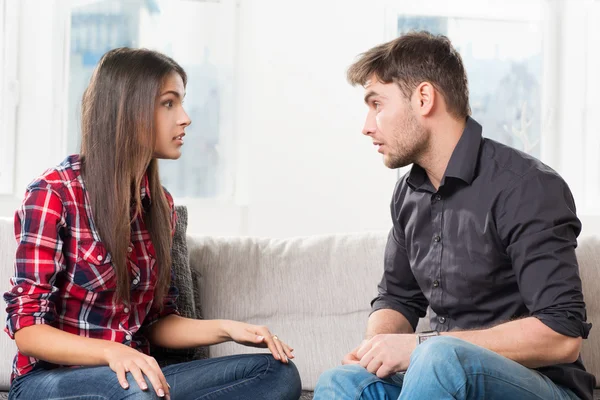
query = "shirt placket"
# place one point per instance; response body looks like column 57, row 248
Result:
column 437, row 246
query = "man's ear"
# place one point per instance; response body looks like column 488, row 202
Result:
column 424, row 98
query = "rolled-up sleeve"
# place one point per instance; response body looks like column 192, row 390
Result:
column 38, row 261
column 539, row 227
column 398, row 289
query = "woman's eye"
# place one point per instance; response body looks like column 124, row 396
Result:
column 168, row 103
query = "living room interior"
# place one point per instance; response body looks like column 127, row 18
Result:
column 275, row 150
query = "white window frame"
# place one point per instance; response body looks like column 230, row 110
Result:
column 9, row 92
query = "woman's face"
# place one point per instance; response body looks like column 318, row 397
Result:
column 170, row 119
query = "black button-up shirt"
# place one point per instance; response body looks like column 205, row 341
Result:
column 495, row 242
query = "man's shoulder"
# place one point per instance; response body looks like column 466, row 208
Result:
column 517, row 165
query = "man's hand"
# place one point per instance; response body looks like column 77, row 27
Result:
column 352, row 358
column 384, row 355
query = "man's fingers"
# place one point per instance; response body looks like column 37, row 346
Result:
column 363, row 349
column 374, row 366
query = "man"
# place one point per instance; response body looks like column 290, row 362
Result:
column 483, row 234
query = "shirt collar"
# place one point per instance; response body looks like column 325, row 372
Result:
column 463, row 161
column 145, row 192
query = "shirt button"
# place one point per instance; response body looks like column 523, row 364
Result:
column 438, row 197
column 136, row 281
column 441, row 320
column 99, row 257
column 436, row 238
column 126, row 310
column 129, row 249
column 436, row 283
column 128, row 337
column 20, row 290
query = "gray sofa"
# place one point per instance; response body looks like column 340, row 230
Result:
column 313, row 292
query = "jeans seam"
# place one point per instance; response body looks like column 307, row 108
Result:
column 499, row 379
column 236, row 383
column 99, row 397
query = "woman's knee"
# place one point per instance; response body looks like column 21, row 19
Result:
column 287, row 377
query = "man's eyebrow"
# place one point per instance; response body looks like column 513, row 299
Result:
column 370, row 94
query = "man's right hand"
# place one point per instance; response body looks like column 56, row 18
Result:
column 122, row 359
column 351, row 357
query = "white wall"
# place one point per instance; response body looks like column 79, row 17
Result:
column 310, row 170
column 303, row 166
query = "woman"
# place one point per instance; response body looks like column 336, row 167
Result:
column 92, row 287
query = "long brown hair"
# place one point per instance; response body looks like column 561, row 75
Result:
column 118, row 137
column 414, row 58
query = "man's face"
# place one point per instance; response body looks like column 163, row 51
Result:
column 392, row 125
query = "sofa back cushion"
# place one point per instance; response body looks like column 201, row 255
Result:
column 315, row 292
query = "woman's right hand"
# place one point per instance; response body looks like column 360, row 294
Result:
column 123, row 359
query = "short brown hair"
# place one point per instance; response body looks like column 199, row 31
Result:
column 414, row 58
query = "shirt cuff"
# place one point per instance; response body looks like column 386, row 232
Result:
column 382, row 303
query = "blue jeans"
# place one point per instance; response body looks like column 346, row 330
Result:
column 444, row 368
column 257, row 376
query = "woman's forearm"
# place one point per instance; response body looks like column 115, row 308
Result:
column 50, row 344
column 175, row 332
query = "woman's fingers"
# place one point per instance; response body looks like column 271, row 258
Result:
column 136, row 372
column 122, row 377
column 163, row 380
column 279, row 346
column 288, row 350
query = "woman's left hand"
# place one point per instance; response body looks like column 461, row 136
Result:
column 258, row 336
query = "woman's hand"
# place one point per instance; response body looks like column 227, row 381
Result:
column 122, row 359
column 258, row 336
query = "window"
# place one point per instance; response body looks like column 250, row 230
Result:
column 503, row 56
column 197, row 34
column 9, row 91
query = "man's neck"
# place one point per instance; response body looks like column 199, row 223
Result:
column 445, row 135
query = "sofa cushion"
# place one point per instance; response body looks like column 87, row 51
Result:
column 588, row 257
column 313, row 292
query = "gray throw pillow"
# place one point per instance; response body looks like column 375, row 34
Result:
column 182, row 278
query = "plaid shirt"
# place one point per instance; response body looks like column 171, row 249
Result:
column 64, row 276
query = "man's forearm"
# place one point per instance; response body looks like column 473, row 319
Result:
column 387, row 321
column 527, row 341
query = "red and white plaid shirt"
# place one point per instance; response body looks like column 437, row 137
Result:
column 64, row 276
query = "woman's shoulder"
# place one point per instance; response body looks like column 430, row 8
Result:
column 169, row 197
column 59, row 177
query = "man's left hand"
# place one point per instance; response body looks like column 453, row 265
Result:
column 387, row 354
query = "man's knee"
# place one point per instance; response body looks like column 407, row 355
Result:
column 343, row 375
column 442, row 348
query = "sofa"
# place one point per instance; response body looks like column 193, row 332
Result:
column 313, row 292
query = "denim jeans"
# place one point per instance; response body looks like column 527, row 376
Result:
column 257, row 376
column 444, row 368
